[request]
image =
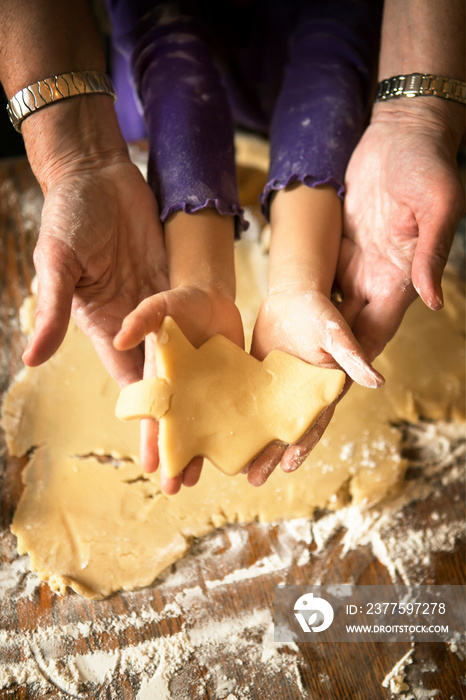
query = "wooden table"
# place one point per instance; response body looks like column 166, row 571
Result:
column 318, row 671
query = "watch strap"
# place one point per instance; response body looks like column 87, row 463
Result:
column 419, row 85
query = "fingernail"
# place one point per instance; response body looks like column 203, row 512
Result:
column 295, row 456
column 435, row 302
column 26, row 351
column 374, row 379
column 289, row 466
column 439, row 297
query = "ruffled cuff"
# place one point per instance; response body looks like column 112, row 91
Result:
column 221, row 206
column 189, row 124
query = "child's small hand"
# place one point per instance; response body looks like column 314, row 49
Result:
column 201, row 301
column 306, row 324
column 200, row 313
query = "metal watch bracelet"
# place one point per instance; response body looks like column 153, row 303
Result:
column 420, row 85
column 58, row 87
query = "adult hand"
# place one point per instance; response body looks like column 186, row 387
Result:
column 100, row 249
column 403, row 205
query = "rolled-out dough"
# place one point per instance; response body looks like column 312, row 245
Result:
column 219, row 402
column 64, row 410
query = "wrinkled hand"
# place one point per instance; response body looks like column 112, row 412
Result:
column 100, row 251
column 200, row 313
column 403, row 205
column 305, row 324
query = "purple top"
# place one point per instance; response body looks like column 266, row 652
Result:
column 300, row 72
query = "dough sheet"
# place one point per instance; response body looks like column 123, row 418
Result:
column 62, row 415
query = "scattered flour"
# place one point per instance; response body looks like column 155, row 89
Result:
column 269, row 564
column 395, row 678
column 155, row 661
column 45, row 658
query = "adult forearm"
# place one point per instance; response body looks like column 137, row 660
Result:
column 423, row 36
column 49, row 37
column 46, row 37
column 405, row 167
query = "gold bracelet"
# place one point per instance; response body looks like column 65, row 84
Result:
column 58, row 87
column 421, row 85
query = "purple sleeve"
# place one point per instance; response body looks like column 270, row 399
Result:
column 323, row 104
column 186, row 110
column 305, row 68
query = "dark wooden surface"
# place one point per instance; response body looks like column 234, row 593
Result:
column 337, row 671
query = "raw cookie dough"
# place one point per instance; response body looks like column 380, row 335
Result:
column 219, row 402
column 99, row 545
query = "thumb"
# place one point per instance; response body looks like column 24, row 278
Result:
column 57, row 274
column 345, row 349
column 436, row 233
column 379, row 320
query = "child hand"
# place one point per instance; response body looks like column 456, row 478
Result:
column 305, row 324
column 298, row 317
column 201, row 269
column 308, row 325
column 200, row 313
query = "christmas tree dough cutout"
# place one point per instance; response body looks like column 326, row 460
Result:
column 220, row 402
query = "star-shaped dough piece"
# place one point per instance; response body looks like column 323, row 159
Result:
column 220, row 402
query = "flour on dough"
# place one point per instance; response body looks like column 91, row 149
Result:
column 99, row 545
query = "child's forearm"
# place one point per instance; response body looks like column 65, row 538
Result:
column 200, row 251
column 306, row 232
